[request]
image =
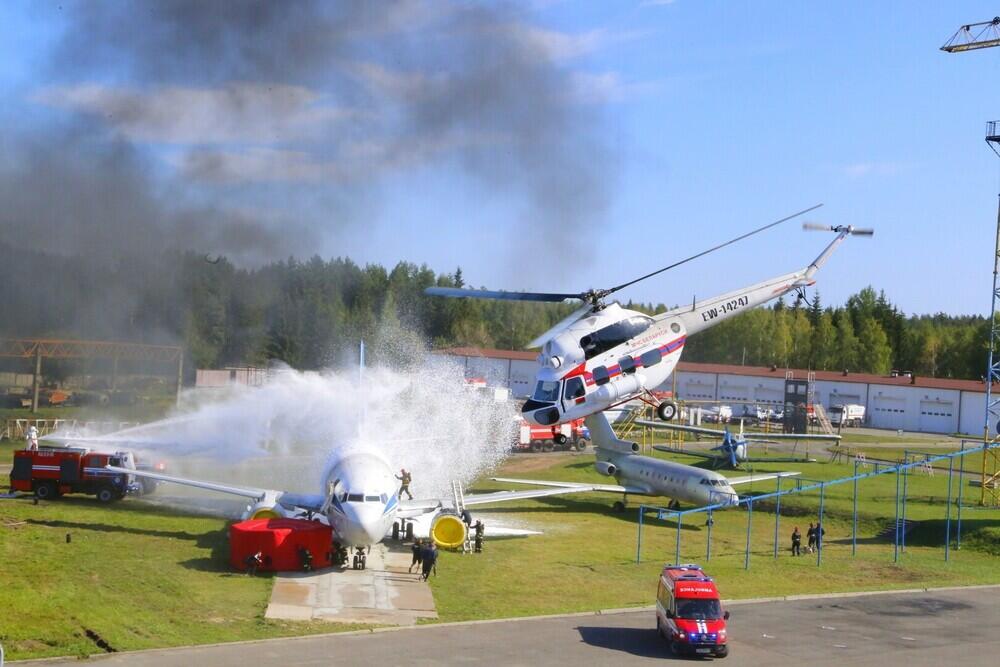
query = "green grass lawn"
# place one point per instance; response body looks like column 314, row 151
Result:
column 137, row 576
column 143, row 577
column 586, row 559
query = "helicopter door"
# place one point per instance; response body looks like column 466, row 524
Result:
column 574, row 393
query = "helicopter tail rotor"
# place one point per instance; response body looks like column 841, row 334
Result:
column 853, row 231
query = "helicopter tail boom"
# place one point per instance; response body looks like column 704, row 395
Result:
column 704, row 314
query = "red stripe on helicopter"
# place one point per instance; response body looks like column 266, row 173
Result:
column 615, row 370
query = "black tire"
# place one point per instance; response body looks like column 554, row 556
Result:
column 536, row 446
column 619, row 506
column 409, row 532
column 666, row 410
column 580, row 445
column 395, row 531
column 675, row 647
column 46, row 491
column 560, row 439
column 722, row 652
column 106, row 494
column 548, row 446
column 364, row 562
column 354, row 563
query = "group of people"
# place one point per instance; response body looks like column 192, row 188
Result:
column 814, row 536
column 425, row 555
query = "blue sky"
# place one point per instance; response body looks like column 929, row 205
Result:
column 714, row 117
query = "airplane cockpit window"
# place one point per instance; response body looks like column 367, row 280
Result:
column 613, row 335
column 546, row 392
column 574, row 388
column 355, row 497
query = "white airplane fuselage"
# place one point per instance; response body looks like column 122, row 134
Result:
column 658, row 477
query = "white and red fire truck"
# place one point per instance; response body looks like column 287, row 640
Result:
column 689, row 612
column 49, row 472
column 534, row 438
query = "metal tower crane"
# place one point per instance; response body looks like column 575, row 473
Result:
column 969, row 38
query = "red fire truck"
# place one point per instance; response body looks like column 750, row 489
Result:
column 49, row 472
column 534, row 438
column 689, row 613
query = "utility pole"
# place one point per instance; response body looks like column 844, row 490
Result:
column 971, row 37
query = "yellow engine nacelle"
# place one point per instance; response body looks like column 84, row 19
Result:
column 449, row 531
column 266, row 507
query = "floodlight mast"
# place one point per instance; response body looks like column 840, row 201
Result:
column 974, row 36
column 970, row 37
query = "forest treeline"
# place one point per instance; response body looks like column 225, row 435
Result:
column 310, row 314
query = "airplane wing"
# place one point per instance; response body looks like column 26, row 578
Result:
column 575, row 486
column 245, row 491
column 417, row 507
column 747, row 479
column 687, row 452
column 717, row 433
column 307, row 501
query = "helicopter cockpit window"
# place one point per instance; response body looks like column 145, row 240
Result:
column 546, row 392
column 574, row 388
column 613, row 335
column 651, row 358
column 601, row 375
column 627, row 365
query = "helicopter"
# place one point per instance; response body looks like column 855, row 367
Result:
column 603, row 355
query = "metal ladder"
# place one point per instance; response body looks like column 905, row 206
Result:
column 824, row 421
column 458, row 494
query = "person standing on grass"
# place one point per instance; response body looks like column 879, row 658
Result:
column 811, row 536
column 819, row 536
column 796, row 542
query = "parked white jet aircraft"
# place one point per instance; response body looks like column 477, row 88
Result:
column 648, row 476
column 361, row 502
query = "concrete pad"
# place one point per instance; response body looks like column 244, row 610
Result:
column 383, row 594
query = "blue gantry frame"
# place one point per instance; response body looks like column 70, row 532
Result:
column 803, row 485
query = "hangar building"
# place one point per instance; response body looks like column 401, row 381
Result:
column 901, row 401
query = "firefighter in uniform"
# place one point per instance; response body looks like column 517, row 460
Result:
column 404, row 483
column 480, row 529
column 32, row 438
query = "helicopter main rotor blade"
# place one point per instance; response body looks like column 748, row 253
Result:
column 713, row 249
column 459, row 292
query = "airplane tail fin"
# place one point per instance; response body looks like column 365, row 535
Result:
column 604, row 437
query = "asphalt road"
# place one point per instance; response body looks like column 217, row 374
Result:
column 915, row 629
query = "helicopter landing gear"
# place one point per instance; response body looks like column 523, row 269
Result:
column 666, row 410
column 360, row 559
